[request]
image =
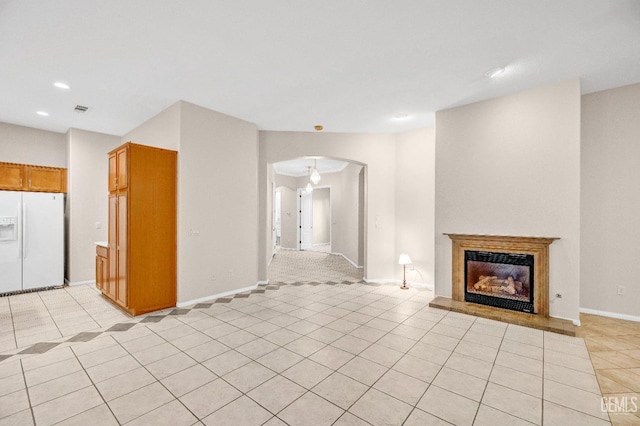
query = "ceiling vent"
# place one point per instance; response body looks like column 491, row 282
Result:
column 80, row 108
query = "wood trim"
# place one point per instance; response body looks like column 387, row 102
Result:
column 538, row 247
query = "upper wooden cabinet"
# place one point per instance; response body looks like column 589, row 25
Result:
column 11, row 176
column 24, row 177
column 118, row 169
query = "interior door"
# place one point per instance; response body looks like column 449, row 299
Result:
column 43, row 239
column 10, row 241
column 305, row 219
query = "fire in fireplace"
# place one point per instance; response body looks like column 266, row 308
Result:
column 504, row 280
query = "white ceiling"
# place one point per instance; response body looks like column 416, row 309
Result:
column 288, row 65
column 300, row 166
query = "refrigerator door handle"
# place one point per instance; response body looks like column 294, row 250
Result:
column 24, row 231
column 19, row 230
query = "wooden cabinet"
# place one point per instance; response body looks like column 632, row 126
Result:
column 142, row 228
column 118, row 176
column 11, row 176
column 24, row 177
column 102, row 268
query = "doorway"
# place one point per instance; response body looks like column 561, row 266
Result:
column 314, row 219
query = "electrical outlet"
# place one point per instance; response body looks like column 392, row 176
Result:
column 622, row 290
column 98, row 225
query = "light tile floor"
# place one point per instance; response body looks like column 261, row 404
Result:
column 614, row 346
column 341, row 354
column 30, row 318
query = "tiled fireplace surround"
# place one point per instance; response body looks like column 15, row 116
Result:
column 537, row 247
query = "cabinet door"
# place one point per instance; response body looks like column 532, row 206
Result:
column 112, row 275
column 99, row 273
column 11, row 176
column 113, row 173
column 122, row 158
column 46, row 179
column 121, row 292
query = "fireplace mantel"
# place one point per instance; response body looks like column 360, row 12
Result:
column 538, row 247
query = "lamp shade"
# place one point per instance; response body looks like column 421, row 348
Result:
column 404, row 259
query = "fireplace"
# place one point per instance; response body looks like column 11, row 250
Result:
column 503, row 280
column 501, row 272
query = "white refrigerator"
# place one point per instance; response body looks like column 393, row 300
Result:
column 31, row 240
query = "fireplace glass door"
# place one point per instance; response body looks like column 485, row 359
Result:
column 503, row 280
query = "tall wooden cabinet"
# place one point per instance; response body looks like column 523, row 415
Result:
column 142, row 228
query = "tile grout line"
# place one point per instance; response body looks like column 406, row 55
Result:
column 26, row 389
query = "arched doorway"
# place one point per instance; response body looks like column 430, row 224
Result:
column 325, row 216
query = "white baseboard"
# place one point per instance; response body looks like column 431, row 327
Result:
column 394, row 281
column 215, row 296
column 574, row 321
column 348, row 260
column 75, row 283
column 266, row 282
column 610, row 314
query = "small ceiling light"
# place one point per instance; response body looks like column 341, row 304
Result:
column 401, row 116
column 61, row 85
column 318, row 128
column 494, row 72
column 43, row 113
column 309, row 188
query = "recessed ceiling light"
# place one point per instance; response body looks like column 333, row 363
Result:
column 401, row 116
column 494, row 72
column 61, row 85
column 43, row 113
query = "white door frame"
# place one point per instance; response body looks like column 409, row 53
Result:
column 273, row 219
column 299, row 196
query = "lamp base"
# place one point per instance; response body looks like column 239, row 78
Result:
column 404, row 286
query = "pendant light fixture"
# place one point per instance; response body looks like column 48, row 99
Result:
column 309, row 188
column 315, row 175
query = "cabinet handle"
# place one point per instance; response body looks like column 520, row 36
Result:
column 20, row 181
column 29, row 182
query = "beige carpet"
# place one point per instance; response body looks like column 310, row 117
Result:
column 290, row 266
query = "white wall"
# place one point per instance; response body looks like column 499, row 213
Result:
column 24, row 145
column 162, row 130
column 610, row 200
column 218, row 163
column 415, row 198
column 87, row 199
column 347, row 219
column 511, row 166
column 217, row 193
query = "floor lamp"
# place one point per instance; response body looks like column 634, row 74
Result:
column 404, row 261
